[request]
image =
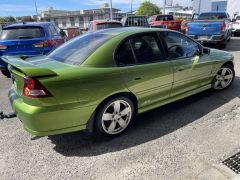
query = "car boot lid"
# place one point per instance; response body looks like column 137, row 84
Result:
column 26, row 67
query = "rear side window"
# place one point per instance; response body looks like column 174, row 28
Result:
column 141, row 49
column 146, row 49
column 22, row 33
column 108, row 25
column 124, row 55
column 77, row 50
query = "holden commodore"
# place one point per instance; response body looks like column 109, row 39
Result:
column 101, row 80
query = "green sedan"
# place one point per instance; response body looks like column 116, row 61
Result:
column 101, row 80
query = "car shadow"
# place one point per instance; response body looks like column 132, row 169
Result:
column 147, row 126
column 233, row 45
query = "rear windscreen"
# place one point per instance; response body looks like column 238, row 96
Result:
column 164, row 18
column 212, row 16
column 77, row 50
column 108, row 25
column 22, row 33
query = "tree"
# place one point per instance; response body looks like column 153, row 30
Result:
column 148, row 8
column 27, row 19
column 9, row 19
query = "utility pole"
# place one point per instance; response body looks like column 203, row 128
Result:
column 131, row 6
column 164, row 6
column 111, row 13
column 199, row 6
column 36, row 7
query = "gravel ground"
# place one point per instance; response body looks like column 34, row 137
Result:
column 184, row 140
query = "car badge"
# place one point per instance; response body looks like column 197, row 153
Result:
column 204, row 29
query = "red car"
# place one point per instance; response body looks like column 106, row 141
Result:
column 103, row 24
column 165, row 21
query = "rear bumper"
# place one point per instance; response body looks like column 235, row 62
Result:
column 208, row 39
column 236, row 31
column 50, row 120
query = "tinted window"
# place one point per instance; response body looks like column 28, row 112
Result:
column 238, row 18
column 212, row 16
column 124, row 55
column 146, row 49
column 77, row 50
column 108, row 25
column 164, row 18
column 22, row 33
column 180, row 46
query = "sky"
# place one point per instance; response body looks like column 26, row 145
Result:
column 27, row 7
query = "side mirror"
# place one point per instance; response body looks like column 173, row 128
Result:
column 233, row 20
column 206, row 51
column 62, row 33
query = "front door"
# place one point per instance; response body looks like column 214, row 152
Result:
column 144, row 69
column 192, row 70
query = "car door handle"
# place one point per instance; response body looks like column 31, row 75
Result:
column 137, row 78
column 180, row 69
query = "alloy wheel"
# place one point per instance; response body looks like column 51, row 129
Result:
column 116, row 117
column 223, row 78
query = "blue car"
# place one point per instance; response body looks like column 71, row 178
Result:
column 28, row 40
column 210, row 27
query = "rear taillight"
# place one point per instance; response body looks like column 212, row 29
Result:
column 45, row 43
column 2, row 47
column 223, row 27
column 33, row 88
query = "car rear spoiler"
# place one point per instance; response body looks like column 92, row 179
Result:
column 27, row 68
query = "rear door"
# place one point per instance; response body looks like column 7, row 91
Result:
column 144, row 68
column 191, row 69
column 22, row 40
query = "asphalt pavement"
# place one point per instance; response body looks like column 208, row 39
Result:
column 187, row 139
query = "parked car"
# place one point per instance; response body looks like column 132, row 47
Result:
column 103, row 24
column 129, row 21
column 165, row 21
column 236, row 25
column 28, row 39
column 101, row 80
column 210, row 27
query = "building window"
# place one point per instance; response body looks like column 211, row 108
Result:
column 64, row 23
column 72, row 22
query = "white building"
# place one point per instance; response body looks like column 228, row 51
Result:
column 230, row 6
column 80, row 18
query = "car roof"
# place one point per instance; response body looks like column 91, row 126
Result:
column 41, row 24
column 129, row 30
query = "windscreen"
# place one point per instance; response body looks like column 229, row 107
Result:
column 238, row 18
column 212, row 16
column 22, row 33
column 74, row 52
column 108, row 25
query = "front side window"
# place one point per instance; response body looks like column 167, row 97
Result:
column 77, row 50
column 180, row 46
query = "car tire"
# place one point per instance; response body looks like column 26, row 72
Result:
column 224, row 78
column 6, row 73
column 114, row 116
